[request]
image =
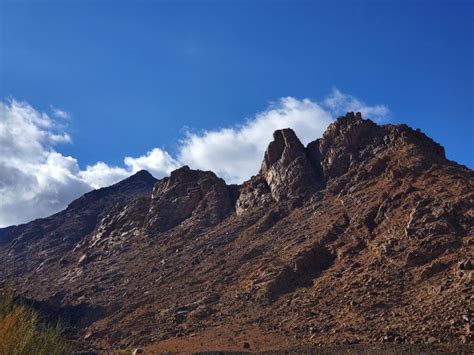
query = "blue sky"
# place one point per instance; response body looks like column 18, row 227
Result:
column 138, row 75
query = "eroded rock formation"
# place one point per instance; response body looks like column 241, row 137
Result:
column 363, row 236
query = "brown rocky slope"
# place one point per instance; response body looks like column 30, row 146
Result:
column 363, row 236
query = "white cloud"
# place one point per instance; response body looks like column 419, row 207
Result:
column 338, row 104
column 36, row 180
column 158, row 162
column 60, row 113
column 100, row 174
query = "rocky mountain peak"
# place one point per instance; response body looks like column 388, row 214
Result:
column 183, row 173
column 352, row 142
column 350, row 130
column 285, row 145
column 188, row 193
column 142, row 175
column 342, row 143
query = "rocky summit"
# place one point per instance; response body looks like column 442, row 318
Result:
column 363, row 236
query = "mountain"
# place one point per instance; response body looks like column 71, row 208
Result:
column 363, row 236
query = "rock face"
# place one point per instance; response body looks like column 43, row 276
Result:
column 343, row 144
column 187, row 194
column 287, row 168
column 253, row 193
column 363, row 236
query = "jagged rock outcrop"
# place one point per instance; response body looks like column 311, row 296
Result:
column 287, row 168
column 253, row 193
column 187, row 193
column 363, row 236
column 343, row 144
column 352, row 141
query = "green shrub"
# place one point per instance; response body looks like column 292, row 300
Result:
column 22, row 331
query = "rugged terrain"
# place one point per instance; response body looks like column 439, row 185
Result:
column 363, row 236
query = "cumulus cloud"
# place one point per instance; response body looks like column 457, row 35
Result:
column 338, row 104
column 36, row 180
column 60, row 113
column 100, row 174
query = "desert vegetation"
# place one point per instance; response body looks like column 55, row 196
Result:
column 24, row 331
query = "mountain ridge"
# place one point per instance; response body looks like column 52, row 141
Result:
column 326, row 244
column 310, row 149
